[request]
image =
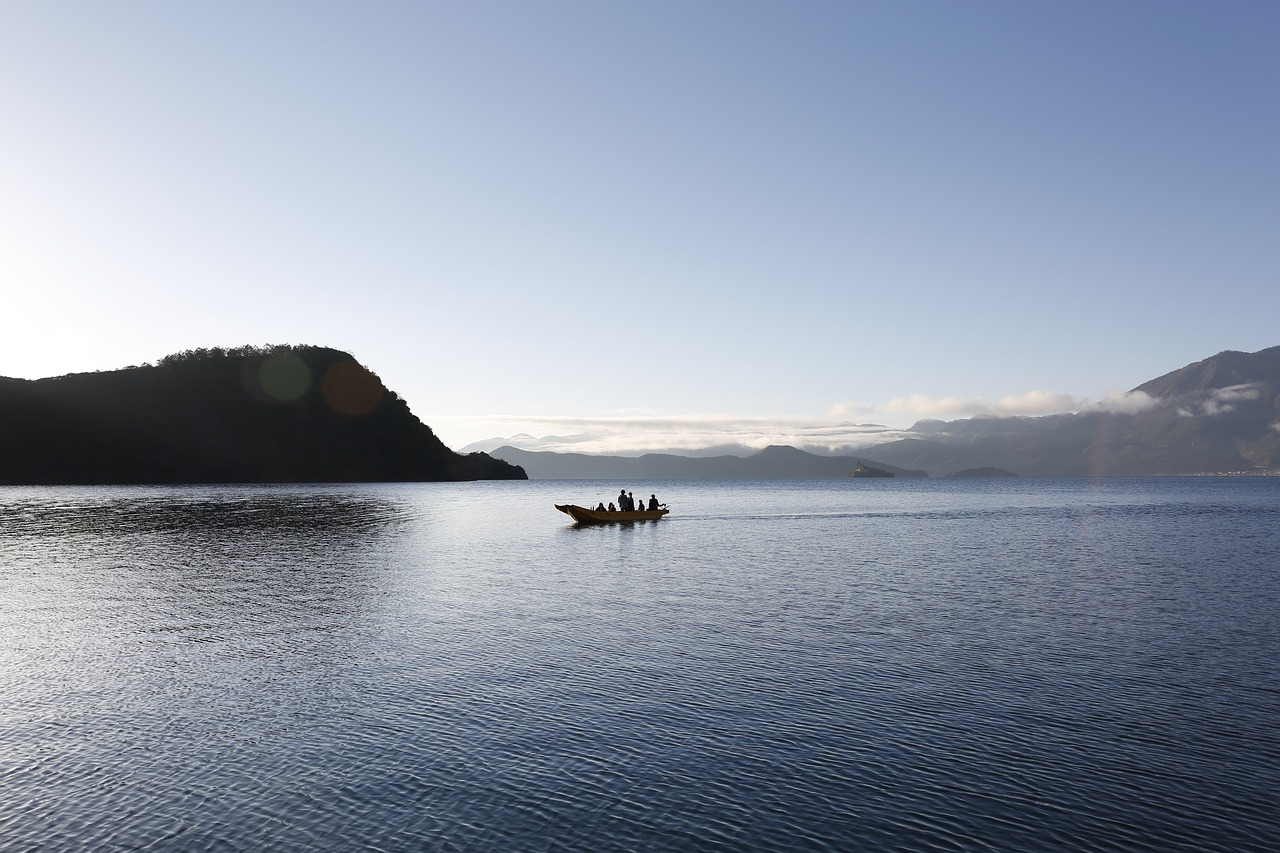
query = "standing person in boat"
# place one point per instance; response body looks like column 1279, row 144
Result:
column 631, row 502
column 622, row 500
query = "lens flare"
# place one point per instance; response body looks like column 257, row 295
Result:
column 284, row 377
column 351, row 390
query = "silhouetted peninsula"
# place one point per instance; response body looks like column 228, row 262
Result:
column 278, row 414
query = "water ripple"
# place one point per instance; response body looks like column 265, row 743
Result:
column 922, row 667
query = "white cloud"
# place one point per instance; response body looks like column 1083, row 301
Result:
column 1030, row 404
column 1121, row 402
column 1035, row 403
column 635, row 432
column 1223, row 400
column 920, row 406
column 632, row 435
column 1234, row 393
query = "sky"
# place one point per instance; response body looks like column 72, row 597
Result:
column 649, row 225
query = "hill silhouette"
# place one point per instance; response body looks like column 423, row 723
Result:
column 247, row 415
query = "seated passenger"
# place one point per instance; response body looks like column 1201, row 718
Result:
column 600, row 508
column 611, row 509
column 653, row 502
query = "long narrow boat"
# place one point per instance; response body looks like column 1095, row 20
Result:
column 582, row 515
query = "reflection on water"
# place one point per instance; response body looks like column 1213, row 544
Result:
column 1013, row 665
column 68, row 511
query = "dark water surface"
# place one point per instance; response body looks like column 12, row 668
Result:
column 853, row 665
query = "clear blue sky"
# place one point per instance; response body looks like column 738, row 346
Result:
column 529, row 216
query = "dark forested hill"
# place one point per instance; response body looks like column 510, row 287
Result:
column 270, row 415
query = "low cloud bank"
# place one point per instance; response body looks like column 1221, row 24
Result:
column 634, row 434
column 1031, row 404
column 695, row 435
column 1122, row 402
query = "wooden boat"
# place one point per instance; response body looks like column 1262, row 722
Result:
column 582, row 515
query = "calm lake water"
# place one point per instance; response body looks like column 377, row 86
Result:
column 852, row 665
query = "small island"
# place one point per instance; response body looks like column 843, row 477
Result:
column 864, row 470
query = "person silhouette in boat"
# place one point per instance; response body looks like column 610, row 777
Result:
column 622, row 500
column 600, row 507
column 653, row 503
column 611, row 507
column 631, row 502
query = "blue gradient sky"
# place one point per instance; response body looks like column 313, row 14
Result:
column 543, row 216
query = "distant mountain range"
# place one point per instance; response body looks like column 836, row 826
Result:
column 1219, row 415
column 279, row 414
column 772, row 463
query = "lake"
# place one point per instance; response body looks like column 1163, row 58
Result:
column 802, row 665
